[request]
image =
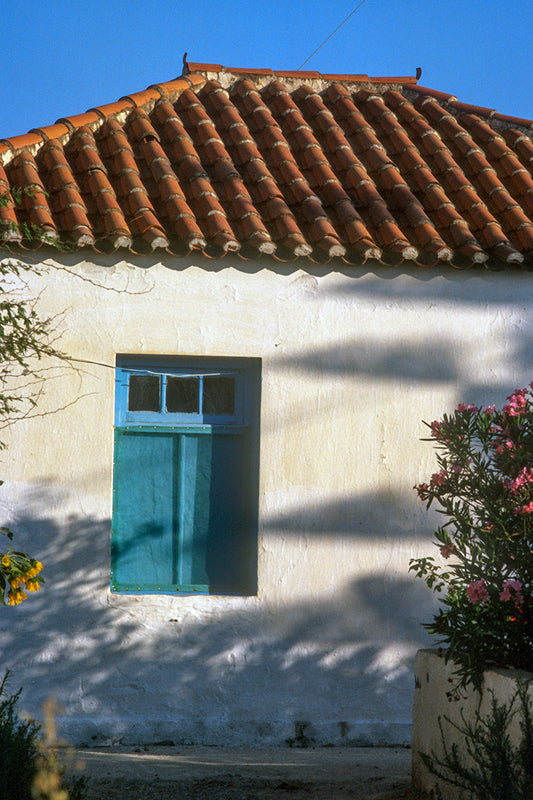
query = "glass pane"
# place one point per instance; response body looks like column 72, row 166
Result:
column 144, row 393
column 219, row 395
column 182, row 395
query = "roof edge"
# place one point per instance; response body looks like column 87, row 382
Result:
column 197, row 74
column 299, row 74
column 34, row 139
column 451, row 101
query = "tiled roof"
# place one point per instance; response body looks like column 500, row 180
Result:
column 287, row 165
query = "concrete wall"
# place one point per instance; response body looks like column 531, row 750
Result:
column 437, row 704
column 351, row 363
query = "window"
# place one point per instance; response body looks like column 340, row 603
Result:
column 185, row 475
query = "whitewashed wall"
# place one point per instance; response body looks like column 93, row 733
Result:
column 351, row 364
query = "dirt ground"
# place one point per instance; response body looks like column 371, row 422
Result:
column 233, row 788
column 246, row 774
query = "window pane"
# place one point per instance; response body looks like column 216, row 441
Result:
column 144, row 393
column 182, row 395
column 219, row 395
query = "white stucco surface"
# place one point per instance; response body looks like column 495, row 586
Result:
column 351, row 364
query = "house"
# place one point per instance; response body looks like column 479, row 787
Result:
column 271, row 279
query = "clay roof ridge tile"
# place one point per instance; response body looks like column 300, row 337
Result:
column 110, row 110
column 78, row 121
column 426, row 91
column 158, row 88
column 468, row 108
column 6, row 144
column 50, row 131
column 144, row 97
column 516, row 121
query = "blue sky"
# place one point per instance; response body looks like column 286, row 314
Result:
column 61, row 58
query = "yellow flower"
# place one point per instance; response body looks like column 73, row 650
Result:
column 6, row 561
column 32, row 586
column 16, row 597
column 16, row 583
column 38, row 567
column 31, row 573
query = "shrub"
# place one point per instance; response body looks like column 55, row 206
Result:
column 484, row 576
column 19, row 748
column 29, row 765
column 489, row 766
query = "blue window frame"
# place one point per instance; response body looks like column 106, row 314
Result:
column 185, row 477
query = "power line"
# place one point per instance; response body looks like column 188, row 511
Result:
column 331, row 34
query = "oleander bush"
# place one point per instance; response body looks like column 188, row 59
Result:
column 484, row 572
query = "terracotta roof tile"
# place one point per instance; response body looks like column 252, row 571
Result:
column 194, row 180
column 320, row 176
column 296, row 164
column 107, row 220
column 258, row 179
column 89, row 118
column 162, row 184
column 302, row 201
column 64, row 196
column 129, row 188
column 224, row 177
column 352, row 175
column 28, row 141
column 32, row 207
column 149, row 95
column 9, row 229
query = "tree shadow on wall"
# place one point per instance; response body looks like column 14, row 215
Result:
column 379, row 516
column 142, row 668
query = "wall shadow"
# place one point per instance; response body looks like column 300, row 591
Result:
column 433, row 363
column 141, row 668
column 374, row 516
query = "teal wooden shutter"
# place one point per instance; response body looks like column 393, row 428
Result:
column 184, row 506
column 144, row 518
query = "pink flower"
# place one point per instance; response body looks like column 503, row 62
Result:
column 477, row 592
column 526, row 509
column 489, row 526
column 422, row 490
column 464, row 407
column 516, row 404
column 490, row 410
column 436, row 428
column 438, row 478
column 447, row 550
column 522, row 480
column 512, row 590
